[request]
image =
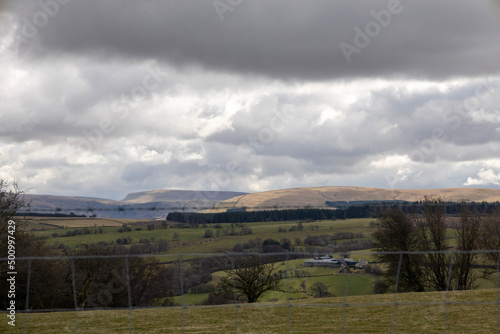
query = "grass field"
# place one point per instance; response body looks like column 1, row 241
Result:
column 44, row 223
column 191, row 240
column 277, row 312
column 466, row 312
column 358, row 282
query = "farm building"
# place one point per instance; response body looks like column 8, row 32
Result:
column 329, row 261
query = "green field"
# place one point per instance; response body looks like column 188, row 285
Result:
column 466, row 312
column 47, row 223
column 191, row 240
column 358, row 282
column 353, row 309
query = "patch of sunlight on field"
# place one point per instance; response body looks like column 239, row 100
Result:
column 191, row 299
column 69, row 222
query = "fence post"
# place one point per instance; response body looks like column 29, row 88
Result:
column 129, row 296
column 498, row 287
column 181, row 278
column 28, row 287
column 73, row 283
column 393, row 330
column 289, row 305
column 344, row 311
column 235, row 295
column 448, row 284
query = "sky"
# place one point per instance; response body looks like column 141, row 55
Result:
column 104, row 98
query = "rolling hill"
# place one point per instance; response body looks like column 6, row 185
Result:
column 158, row 203
column 140, row 205
column 316, row 197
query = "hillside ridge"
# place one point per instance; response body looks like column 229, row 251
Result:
column 317, row 196
column 151, row 204
column 158, row 203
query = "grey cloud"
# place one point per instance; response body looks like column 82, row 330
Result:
column 223, row 88
column 77, row 99
column 424, row 125
column 282, row 39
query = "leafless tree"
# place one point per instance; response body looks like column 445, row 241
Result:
column 251, row 278
column 398, row 232
column 11, row 200
column 432, row 233
column 490, row 236
column 320, row 290
column 102, row 279
column 46, row 287
column 469, row 233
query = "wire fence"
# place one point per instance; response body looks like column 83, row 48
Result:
column 124, row 286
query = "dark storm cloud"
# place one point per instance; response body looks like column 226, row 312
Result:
column 283, row 39
column 110, row 97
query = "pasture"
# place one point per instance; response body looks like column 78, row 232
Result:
column 192, row 240
column 474, row 311
column 48, row 223
column 298, row 285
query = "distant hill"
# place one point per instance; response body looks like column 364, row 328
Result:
column 166, row 195
column 158, row 203
column 316, row 197
column 140, row 205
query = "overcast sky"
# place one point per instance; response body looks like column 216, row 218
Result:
column 103, row 98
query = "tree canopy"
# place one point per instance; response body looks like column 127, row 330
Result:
column 250, row 278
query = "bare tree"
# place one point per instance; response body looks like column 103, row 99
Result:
column 10, row 202
column 464, row 277
column 101, row 280
column 88, row 273
column 432, row 232
column 490, row 236
column 397, row 232
column 46, row 286
column 320, row 290
column 251, row 278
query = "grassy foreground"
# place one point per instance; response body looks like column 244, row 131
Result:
column 467, row 312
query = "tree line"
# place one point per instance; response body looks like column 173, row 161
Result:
column 418, row 252
column 249, row 216
column 368, row 210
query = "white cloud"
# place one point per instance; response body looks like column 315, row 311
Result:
column 176, row 136
column 484, row 177
column 391, row 161
column 482, row 116
column 84, row 113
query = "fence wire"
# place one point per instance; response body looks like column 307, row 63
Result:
column 237, row 304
